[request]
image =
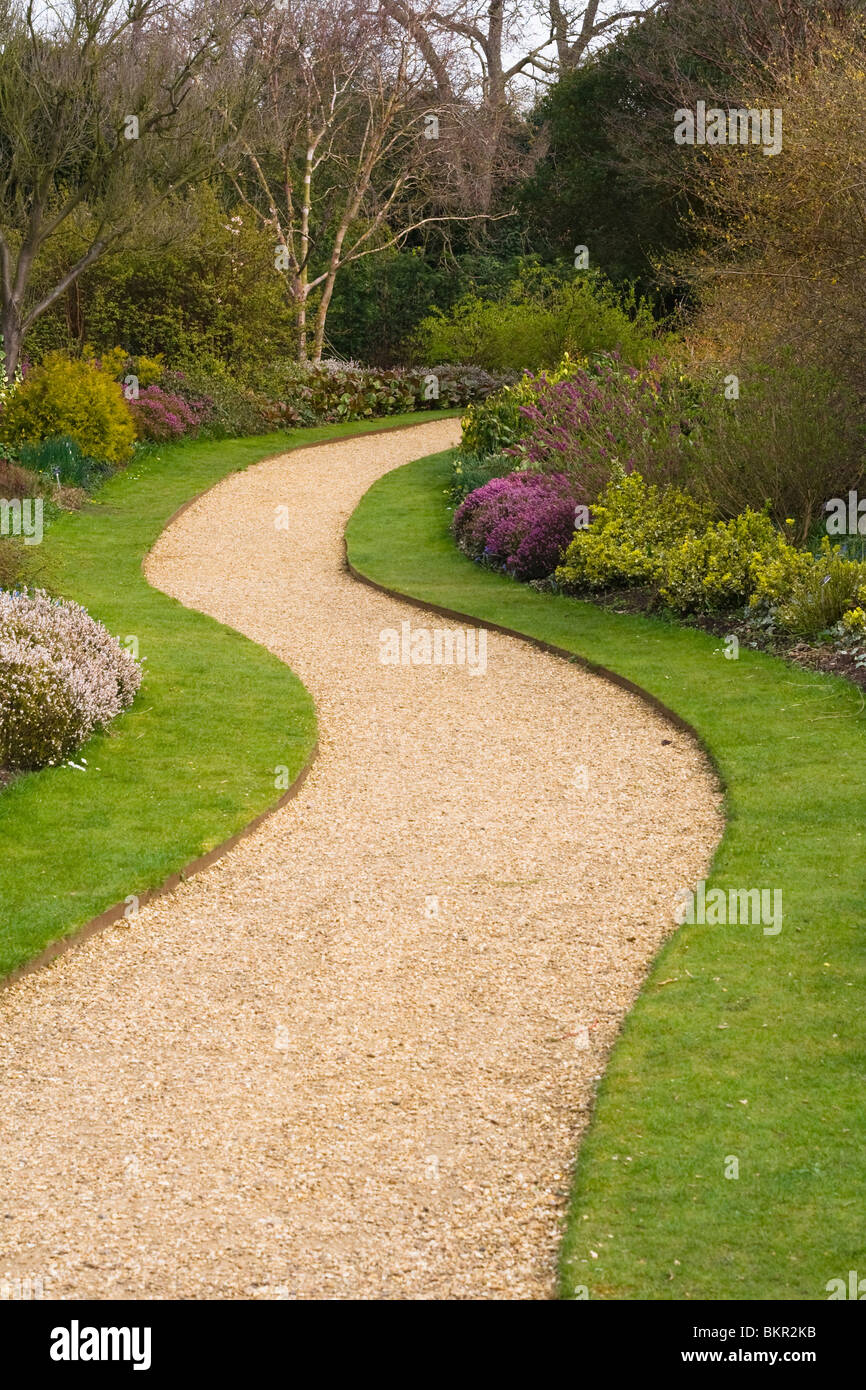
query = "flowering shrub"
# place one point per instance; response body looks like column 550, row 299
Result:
column 235, row 410
column 498, row 421
column 602, row 415
column 519, row 523
column 633, row 528
column 161, row 415
column 65, row 397
column 62, row 677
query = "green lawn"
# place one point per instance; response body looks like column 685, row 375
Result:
column 741, row 1044
column 194, row 760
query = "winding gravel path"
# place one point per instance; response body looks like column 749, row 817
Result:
column 354, row 1059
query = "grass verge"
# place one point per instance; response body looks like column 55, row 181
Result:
column 742, row 1045
column 194, row 760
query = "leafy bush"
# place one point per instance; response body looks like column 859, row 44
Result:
column 163, row 415
column 459, row 384
column 538, row 320
column 520, row 523
column 335, row 391
column 74, row 399
column 824, row 592
column 722, row 568
column 794, row 439
column 62, row 677
column 119, row 364
column 632, row 529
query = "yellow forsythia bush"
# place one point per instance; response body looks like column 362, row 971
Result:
column 63, row 396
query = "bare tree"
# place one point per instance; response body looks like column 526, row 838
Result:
column 336, row 163
column 104, row 116
column 505, row 48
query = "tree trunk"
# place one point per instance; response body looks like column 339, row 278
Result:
column 10, row 331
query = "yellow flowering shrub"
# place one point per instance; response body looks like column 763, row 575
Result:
column 67, row 397
column 854, row 621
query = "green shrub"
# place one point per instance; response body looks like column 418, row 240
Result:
column 496, row 423
column 119, row 364
column 469, row 471
column 824, row 593
column 536, row 322
column 633, row 527
column 794, row 439
column 64, row 397
column 724, row 567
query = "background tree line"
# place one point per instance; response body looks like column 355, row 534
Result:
column 252, row 181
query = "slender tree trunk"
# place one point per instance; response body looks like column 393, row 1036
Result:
column 10, row 331
column 322, row 314
column 299, row 294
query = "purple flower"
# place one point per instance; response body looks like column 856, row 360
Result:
column 520, row 523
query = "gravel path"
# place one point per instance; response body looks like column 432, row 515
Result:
column 354, row 1059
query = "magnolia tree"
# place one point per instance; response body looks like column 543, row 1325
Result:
column 107, row 112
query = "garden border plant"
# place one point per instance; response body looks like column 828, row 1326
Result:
column 741, row 1045
column 192, row 763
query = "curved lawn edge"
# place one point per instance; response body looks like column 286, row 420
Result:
column 191, row 767
column 743, row 1045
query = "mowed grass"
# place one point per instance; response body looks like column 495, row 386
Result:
column 195, row 758
column 742, row 1045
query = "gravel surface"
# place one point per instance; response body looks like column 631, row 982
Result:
column 354, row 1059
